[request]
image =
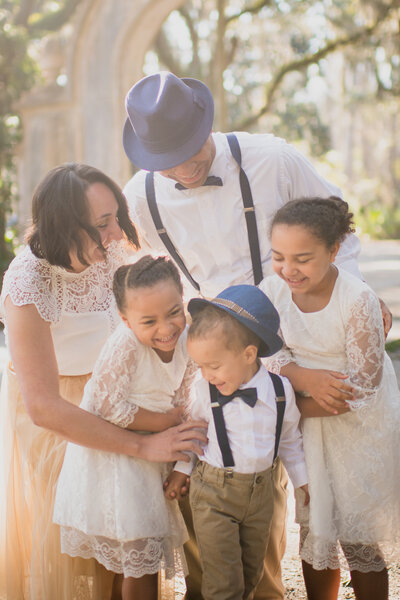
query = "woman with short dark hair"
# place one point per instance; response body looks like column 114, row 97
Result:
column 59, row 309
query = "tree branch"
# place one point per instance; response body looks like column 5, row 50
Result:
column 196, row 65
column 26, row 8
column 305, row 61
column 165, row 54
column 255, row 8
column 52, row 21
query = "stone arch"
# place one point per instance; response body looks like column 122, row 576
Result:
column 104, row 50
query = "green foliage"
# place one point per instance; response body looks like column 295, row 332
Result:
column 380, row 222
column 393, row 346
column 21, row 22
column 17, row 75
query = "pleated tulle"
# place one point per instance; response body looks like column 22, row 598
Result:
column 31, row 564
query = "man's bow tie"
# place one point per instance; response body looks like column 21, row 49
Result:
column 211, row 180
column 248, row 395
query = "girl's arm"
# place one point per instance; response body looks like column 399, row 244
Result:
column 365, row 348
column 148, row 420
column 34, row 361
column 327, row 388
column 308, row 407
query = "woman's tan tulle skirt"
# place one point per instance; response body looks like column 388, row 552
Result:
column 31, row 564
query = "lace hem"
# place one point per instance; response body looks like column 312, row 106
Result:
column 322, row 554
column 132, row 558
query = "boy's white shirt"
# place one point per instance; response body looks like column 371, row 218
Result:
column 251, row 431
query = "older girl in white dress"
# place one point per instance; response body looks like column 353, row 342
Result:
column 111, row 507
column 334, row 354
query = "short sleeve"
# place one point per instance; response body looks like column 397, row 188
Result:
column 365, row 347
column 107, row 392
column 29, row 280
column 278, row 360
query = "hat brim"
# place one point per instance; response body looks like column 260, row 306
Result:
column 144, row 159
column 264, row 332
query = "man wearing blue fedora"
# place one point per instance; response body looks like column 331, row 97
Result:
column 208, row 199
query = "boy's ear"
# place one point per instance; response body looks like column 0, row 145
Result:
column 250, row 354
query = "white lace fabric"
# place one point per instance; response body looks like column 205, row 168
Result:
column 54, row 290
column 352, row 459
column 110, row 506
column 80, row 307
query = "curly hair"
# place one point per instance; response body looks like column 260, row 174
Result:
column 146, row 272
column 60, row 212
column 329, row 219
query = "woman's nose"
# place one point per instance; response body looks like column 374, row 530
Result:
column 113, row 233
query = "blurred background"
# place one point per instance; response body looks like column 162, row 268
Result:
column 325, row 75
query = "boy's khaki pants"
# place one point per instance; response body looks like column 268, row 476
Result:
column 270, row 586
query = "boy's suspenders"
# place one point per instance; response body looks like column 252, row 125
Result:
column 249, row 212
column 219, row 421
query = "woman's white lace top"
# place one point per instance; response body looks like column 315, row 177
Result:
column 80, row 307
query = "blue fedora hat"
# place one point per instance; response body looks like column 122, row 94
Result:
column 251, row 307
column 169, row 120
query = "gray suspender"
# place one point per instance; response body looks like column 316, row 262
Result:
column 249, row 212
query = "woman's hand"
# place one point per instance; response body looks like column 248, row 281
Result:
column 171, row 445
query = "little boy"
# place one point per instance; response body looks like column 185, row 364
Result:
column 250, row 413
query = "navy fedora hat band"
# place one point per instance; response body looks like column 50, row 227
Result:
column 169, row 120
column 251, row 307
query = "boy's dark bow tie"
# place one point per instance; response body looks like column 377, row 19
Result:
column 211, row 180
column 248, row 395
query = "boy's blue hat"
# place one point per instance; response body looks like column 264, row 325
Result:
column 169, row 120
column 251, row 307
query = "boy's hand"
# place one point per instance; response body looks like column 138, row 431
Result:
column 307, row 493
column 176, row 485
column 329, row 390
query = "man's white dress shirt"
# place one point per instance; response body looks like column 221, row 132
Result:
column 251, row 431
column 207, row 224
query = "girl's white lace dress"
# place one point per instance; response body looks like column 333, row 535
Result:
column 110, row 506
column 353, row 460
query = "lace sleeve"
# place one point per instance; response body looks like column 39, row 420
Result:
column 183, row 396
column 365, row 348
column 278, row 360
column 107, row 392
column 30, row 280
